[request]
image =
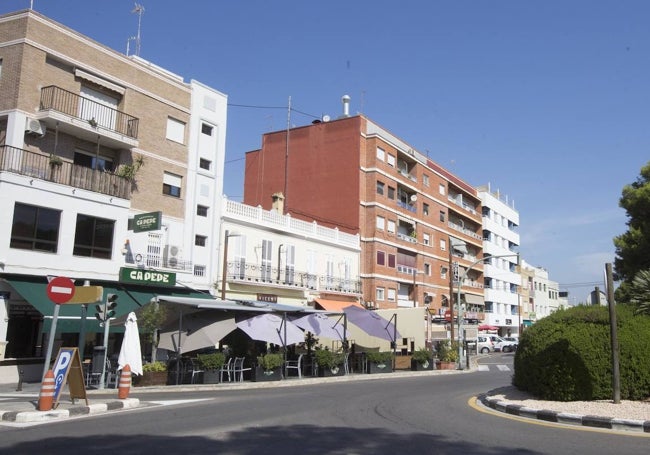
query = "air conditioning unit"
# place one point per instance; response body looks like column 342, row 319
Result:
column 35, row 127
column 172, row 255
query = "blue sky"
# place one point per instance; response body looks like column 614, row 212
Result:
column 548, row 101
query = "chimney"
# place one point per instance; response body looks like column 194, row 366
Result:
column 278, row 203
column 346, row 105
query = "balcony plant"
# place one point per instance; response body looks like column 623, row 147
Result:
column 153, row 373
column 268, row 368
column 329, row 362
column 55, row 160
column 421, row 360
column 448, row 354
column 379, row 361
column 211, row 365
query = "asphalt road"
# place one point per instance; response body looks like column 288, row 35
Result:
column 427, row 414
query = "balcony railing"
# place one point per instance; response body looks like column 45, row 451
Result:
column 409, row 207
column 266, row 275
column 97, row 114
column 53, row 169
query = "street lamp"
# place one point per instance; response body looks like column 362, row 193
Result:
column 225, row 261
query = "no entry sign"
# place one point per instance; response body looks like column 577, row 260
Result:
column 60, row 290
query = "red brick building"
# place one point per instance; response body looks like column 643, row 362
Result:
column 352, row 174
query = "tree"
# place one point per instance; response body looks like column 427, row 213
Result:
column 641, row 292
column 633, row 247
column 150, row 319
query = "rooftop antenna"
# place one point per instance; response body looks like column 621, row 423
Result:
column 139, row 10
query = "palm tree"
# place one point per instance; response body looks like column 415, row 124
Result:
column 641, row 292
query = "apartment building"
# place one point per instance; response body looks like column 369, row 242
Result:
column 110, row 173
column 273, row 257
column 541, row 293
column 500, row 248
column 420, row 225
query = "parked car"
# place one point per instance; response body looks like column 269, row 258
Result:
column 502, row 345
column 514, row 340
column 485, row 344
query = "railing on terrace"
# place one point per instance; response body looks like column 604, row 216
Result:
column 261, row 275
column 406, row 269
column 271, row 218
column 157, row 261
column 407, row 238
column 53, row 169
column 60, row 100
column 409, row 207
column 462, row 204
column 464, row 230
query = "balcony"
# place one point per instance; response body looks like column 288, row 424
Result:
column 86, row 118
column 241, row 272
column 53, row 169
column 409, row 207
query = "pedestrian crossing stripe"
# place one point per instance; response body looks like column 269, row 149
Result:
column 499, row 367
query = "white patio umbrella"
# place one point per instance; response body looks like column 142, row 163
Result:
column 272, row 329
column 130, row 353
column 196, row 331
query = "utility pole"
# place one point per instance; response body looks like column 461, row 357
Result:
column 616, row 374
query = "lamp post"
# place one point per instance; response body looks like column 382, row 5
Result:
column 224, row 273
column 460, row 283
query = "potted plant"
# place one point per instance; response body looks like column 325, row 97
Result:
column 211, row 365
column 55, row 160
column 448, row 355
column 153, row 373
column 329, row 363
column 268, row 368
column 380, row 361
column 422, row 360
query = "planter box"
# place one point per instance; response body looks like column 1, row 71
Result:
column 326, row 372
column 260, row 375
column 150, row 378
column 380, row 367
column 417, row 366
column 447, row 365
column 212, row 377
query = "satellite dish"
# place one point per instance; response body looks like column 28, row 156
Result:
column 414, row 198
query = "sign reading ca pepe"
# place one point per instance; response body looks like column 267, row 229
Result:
column 147, row 277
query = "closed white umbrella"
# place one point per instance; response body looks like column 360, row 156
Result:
column 130, row 353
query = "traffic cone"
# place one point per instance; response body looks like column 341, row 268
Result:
column 46, row 397
column 125, row 383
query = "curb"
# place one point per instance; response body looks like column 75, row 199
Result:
column 642, row 426
column 70, row 411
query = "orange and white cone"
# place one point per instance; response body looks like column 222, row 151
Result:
column 125, row 383
column 46, row 397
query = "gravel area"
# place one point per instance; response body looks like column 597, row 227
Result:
column 634, row 410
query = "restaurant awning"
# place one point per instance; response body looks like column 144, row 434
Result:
column 236, row 305
column 335, row 305
column 472, row 299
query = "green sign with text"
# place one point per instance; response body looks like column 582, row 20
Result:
column 147, row 221
column 147, row 277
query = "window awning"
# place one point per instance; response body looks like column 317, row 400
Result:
column 335, row 305
column 472, row 299
column 99, row 81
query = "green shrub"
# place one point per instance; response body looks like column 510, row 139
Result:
column 422, row 355
column 270, row 361
column 448, row 351
column 567, row 355
column 328, row 359
column 154, row 367
column 379, row 357
column 211, row 362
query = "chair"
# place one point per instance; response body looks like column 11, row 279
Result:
column 346, row 363
column 293, row 365
column 226, row 369
column 238, row 369
column 193, row 369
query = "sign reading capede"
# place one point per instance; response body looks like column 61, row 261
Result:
column 147, row 222
column 147, row 277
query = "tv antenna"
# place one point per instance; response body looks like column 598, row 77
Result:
column 139, row 10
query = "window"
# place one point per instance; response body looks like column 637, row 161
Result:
column 175, row 130
column 379, row 294
column 391, row 192
column 391, row 226
column 381, row 154
column 201, row 210
column 427, row 269
column 380, row 187
column 200, row 240
column 443, row 272
column 425, row 179
column 441, row 189
column 391, row 261
column 93, row 237
column 425, row 208
column 391, row 160
column 267, row 257
column 172, row 184
column 199, row 270
column 381, row 258
column 380, row 222
column 100, row 163
column 206, row 129
column 443, row 244
column 426, row 239
column 442, row 216
column 205, row 164
column 391, row 295
column 35, row 228
column 0, row 69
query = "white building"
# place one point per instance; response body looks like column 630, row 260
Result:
column 501, row 243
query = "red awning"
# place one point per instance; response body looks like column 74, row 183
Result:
column 487, row 327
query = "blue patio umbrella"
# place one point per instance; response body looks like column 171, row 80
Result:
column 321, row 325
column 371, row 323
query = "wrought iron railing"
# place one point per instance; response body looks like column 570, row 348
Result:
column 97, row 114
column 52, row 168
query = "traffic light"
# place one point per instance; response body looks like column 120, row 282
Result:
column 106, row 311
